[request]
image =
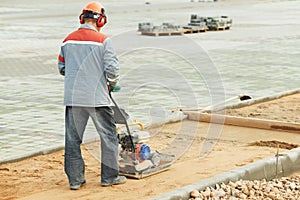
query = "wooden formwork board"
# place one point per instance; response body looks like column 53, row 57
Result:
column 163, row 33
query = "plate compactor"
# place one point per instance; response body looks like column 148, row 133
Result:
column 136, row 158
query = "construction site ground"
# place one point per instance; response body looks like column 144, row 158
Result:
column 42, row 177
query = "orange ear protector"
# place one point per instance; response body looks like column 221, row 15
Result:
column 101, row 21
column 101, row 18
column 81, row 20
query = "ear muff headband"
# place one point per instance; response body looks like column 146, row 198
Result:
column 101, row 18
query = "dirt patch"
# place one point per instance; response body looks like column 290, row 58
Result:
column 285, row 109
column 275, row 144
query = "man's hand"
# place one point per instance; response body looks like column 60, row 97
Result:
column 114, row 88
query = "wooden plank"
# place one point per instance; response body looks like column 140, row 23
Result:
column 195, row 30
column 244, row 122
column 220, row 28
column 163, row 33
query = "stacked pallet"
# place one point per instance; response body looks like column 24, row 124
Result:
column 219, row 23
column 164, row 29
column 210, row 23
column 197, row 24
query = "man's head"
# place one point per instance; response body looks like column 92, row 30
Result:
column 93, row 13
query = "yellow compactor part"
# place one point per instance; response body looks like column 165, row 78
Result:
column 135, row 123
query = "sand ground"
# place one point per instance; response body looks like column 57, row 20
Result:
column 284, row 109
column 42, row 177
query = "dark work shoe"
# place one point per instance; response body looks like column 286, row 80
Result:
column 119, row 180
column 76, row 187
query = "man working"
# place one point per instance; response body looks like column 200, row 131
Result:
column 88, row 62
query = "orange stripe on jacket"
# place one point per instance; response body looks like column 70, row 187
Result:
column 61, row 59
column 84, row 34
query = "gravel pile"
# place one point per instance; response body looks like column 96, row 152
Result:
column 279, row 189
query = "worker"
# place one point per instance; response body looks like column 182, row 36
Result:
column 88, row 61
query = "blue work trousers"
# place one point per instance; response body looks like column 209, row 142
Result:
column 75, row 122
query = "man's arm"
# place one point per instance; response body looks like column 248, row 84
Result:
column 111, row 63
column 61, row 63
